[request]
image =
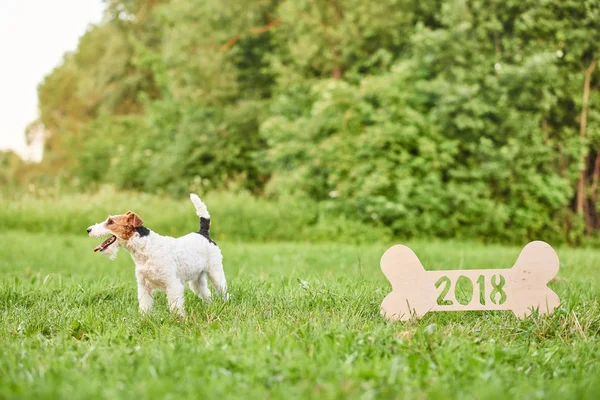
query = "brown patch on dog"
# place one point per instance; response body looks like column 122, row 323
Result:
column 124, row 225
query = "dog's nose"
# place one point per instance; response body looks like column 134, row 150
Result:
column 89, row 230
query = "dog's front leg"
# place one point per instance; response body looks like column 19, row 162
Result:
column 144, row 298
column 175, row 291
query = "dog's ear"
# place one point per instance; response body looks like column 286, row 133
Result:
column 128, row 212
column 135, row 220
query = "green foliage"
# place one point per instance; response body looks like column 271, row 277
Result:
column 455, row 141
column 10, row 164
column 434, row 118
column 376, row 150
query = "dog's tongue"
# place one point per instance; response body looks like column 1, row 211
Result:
column 97, row 248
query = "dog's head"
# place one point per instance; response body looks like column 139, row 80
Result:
column 121, row 227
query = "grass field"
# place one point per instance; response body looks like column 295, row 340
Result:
column 303, row 322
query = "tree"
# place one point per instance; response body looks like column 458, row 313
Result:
column 446, row 118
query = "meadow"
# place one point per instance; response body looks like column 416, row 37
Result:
column 303, row 320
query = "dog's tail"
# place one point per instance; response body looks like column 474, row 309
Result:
column 201, row 209
column 202, row 212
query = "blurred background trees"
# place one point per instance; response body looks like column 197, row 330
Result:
column 437, row 118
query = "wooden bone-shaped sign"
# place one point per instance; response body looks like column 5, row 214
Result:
column 520, row 289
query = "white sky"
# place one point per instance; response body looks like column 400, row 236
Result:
column 34, row 35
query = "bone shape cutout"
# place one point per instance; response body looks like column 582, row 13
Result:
column 521, row 288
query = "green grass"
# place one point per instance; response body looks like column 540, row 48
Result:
column 235, row 216
column 303, row 322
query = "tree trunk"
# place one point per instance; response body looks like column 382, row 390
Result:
column 595, row 177
column 587, row 212
column 581, row 195
column 336, row 73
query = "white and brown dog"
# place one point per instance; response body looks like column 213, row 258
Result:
column 163, row 262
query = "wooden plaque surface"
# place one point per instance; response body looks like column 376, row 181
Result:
column 521, row 289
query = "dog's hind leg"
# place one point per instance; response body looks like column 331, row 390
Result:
column 200, row 287
column 217, row 277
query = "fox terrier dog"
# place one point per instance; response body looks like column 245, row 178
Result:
column 163, row 262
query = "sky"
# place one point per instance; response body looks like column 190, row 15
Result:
column 34, row 35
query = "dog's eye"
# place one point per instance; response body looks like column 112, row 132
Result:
column 110, row 222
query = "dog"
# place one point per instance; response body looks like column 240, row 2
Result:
column 163, row 262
